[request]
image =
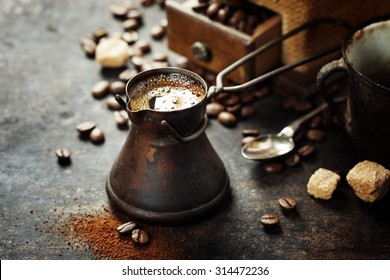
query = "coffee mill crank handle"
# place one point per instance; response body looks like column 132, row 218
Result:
column 218, row 88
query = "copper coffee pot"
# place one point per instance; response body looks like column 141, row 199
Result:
column 167, row 171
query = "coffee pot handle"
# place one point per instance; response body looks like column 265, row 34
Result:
column 185, row 139
column 325, row 72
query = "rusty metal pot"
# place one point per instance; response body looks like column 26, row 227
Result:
column 167, row 171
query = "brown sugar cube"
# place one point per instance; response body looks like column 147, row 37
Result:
column 369, row 180
column 323, row 183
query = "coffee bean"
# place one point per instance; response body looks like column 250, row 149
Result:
column 135, row 14
column 213, row 109
column 63, row 156
column 247, row 111
column 235, row 109
column 212, row 9
column 118, row 87
column 157, row 32
column 137, row 62
column 112, row 104
column 316, row 122
column 121, row 118
column 100, row 89
column 233, row 99
column 250, row 132
column 261, row 92
column 227, row 119
column 287, row 203
column 147, row 3
column 135, row 52
column 222, row 14
column 139, row 236
column 306, row 150
column 143, row 45
column 127, row 74
column 126, row 228
column 97, row 136
column 130, row 37
column 99, row 34
column 302, row 105
column 269, row 220
column 315, row 135
column 88, row 45
column 246, row 97
column 160, row 57
column 85, row 128
column 292, row 160
column 159, row 64
column 273, row 167
column 247, row 139
column 130, row 24
column 118, row 10
column 200, row 8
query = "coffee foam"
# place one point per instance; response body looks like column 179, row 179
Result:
column 166, row 92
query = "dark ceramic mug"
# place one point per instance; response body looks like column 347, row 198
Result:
column 366, row 60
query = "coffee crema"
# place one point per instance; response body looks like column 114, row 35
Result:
column 166, row 92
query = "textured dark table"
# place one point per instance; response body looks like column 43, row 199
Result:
column 45, row 83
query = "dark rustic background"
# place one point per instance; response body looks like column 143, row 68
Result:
column 45, row 83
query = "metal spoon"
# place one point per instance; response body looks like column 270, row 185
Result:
column 271, row 146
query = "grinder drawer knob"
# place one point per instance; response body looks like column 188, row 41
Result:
column 201, row 51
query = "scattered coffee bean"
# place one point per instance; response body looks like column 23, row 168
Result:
column 130, row 37
column 233, row 99
column 127, row 74
column 139, row 236
column 292, row 160
column 315, row 135
column 247, row 111
column 88, row 45
column 63, row 156
column 287, row 203
column 316, row 122
column 118, row 10
column 147, row 3
column 100, row 89
column 269, row 220
column 227, row 119
column 273, row 167
column 247, row 139
column 137, row 62
column 85, row 128
column 143, row 45
column 121, row 118
column 130, row 24
column 160, row 57
column 305, row 150
column 302, row 105
column 135, row 14
column 135, row 52
column 213, row 109
column 235, row 109
column 250, row 132
column 126, row 228
column 247, row 97
column 157, row 32
column 212, row 9
column 118, row 87
column 261, row 92
column 112, row 104
column 99, row 34
column 96, row 136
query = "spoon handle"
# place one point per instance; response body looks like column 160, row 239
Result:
column 289, row 130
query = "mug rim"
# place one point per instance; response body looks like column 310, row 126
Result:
column 347, row 41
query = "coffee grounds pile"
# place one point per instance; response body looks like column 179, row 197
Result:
column 96, row 231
